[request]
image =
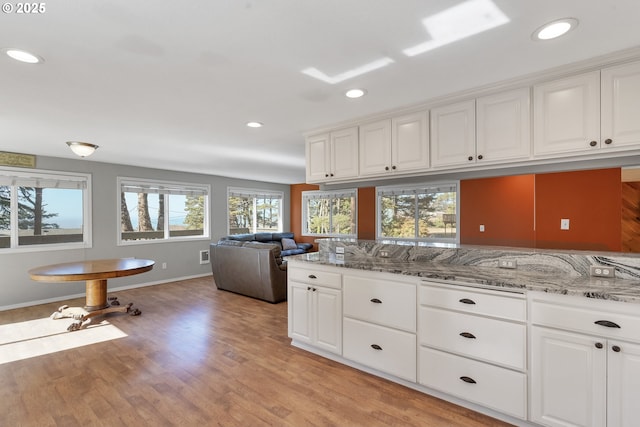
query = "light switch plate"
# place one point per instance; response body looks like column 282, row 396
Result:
column 564, row 224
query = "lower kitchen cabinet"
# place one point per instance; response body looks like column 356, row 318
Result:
column 584, row 376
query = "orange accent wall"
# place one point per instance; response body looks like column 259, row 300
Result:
column 367, row 213
column 591, row 200
column 295, row 217
column 505, row 207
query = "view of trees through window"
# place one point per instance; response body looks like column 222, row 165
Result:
column 253, row 211
column 50, row 212
column 151, row 211
column 419, row 213
column 329, row 213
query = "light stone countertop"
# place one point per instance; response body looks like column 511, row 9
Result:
column 624, row 290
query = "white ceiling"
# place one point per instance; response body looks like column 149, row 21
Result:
column 170, row 85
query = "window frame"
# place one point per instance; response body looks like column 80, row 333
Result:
column 159, row 186
column 255, row 192
column 331, row 194
column 11, row 173
column 415, row 189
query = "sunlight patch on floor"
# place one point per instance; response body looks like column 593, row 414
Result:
column 38, row 337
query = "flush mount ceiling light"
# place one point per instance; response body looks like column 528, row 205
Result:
column 23, row 56
column 555, row 29
column 355, row 93
column 82, row 149
column 254, row 124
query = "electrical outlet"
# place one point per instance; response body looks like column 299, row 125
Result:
column 507, row 263
column 482, row 228
column 339, row 249
column 564, row 224
column 384, row 254
column 164, row 265
column 602, row 271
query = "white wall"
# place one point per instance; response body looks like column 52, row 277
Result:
column 182, row 258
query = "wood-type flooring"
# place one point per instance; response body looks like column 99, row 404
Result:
column 198, row 356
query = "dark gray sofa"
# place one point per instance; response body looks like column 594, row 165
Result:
column 250, row 268
column 273, row 238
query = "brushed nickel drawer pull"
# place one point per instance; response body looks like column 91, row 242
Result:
column 468, row 380
column 467, row 335
column 607, row 323
column 376, row 301
column 467, row 301
column 376, row 347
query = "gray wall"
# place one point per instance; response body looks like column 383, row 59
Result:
column 182, row 258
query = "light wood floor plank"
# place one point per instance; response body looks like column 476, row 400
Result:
column 198, row 356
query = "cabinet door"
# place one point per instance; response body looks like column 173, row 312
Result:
column 375, row 148
column 568, row 379
column 621, row 106
column 623, row 377
column 410, row 142
column 328, row 319
column 453, row 134
column 318, row 158
column 344, row 153
column 504, row 126
column 566, row 115
column 300, row 312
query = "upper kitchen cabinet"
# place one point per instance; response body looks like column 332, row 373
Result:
column 567, row 115
column 503, row 126
column 620, row 113
column 396, row 145
column 332, row 156
column 453, row 134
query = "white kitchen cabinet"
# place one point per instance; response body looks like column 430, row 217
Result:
column 566, row 115
column 583, row 372
column 621, row 106
column 396, row 145
column 453, row 134
column 332, row 156
column 503, row 126
column 473, row 345
column 315, row 308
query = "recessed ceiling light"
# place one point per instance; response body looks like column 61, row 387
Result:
column 355, row 93
column 255, row 124
column 23, row 56
column 555, row 29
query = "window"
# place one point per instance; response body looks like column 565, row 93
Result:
column 329, row 213
column 254, row 211
column 158, row 211
column 423, row 213
column 40, row 208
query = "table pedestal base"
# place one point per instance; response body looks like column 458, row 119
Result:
column 83, row 316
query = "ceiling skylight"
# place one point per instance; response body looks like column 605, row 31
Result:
column 349, row 74
column 458, row 22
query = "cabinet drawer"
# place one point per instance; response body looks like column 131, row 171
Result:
column 504, row 305
column 584, row 320
column 384, row 349
column 316, row 277
column 493, row 340
column 383, row 302
column 488, row 385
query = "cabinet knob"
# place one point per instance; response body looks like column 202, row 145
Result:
column 593, row 143
column 468, row 380
column 393, row 167
column 331, row 174
column 308, row 288
column 616, row 348
column 313, row 289
column 470, row 158
column 386, row 168
column 326, row 175
column 599, row 345
column 376, row 347
column 376, row 301
column 479, row 156
column 467, row 335
column 467, row 301
column 312, row 276
column 608, row 141
column 607, row 323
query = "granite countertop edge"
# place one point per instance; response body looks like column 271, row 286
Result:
column 623, row 290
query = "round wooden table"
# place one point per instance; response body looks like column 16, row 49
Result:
column 95, row 273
